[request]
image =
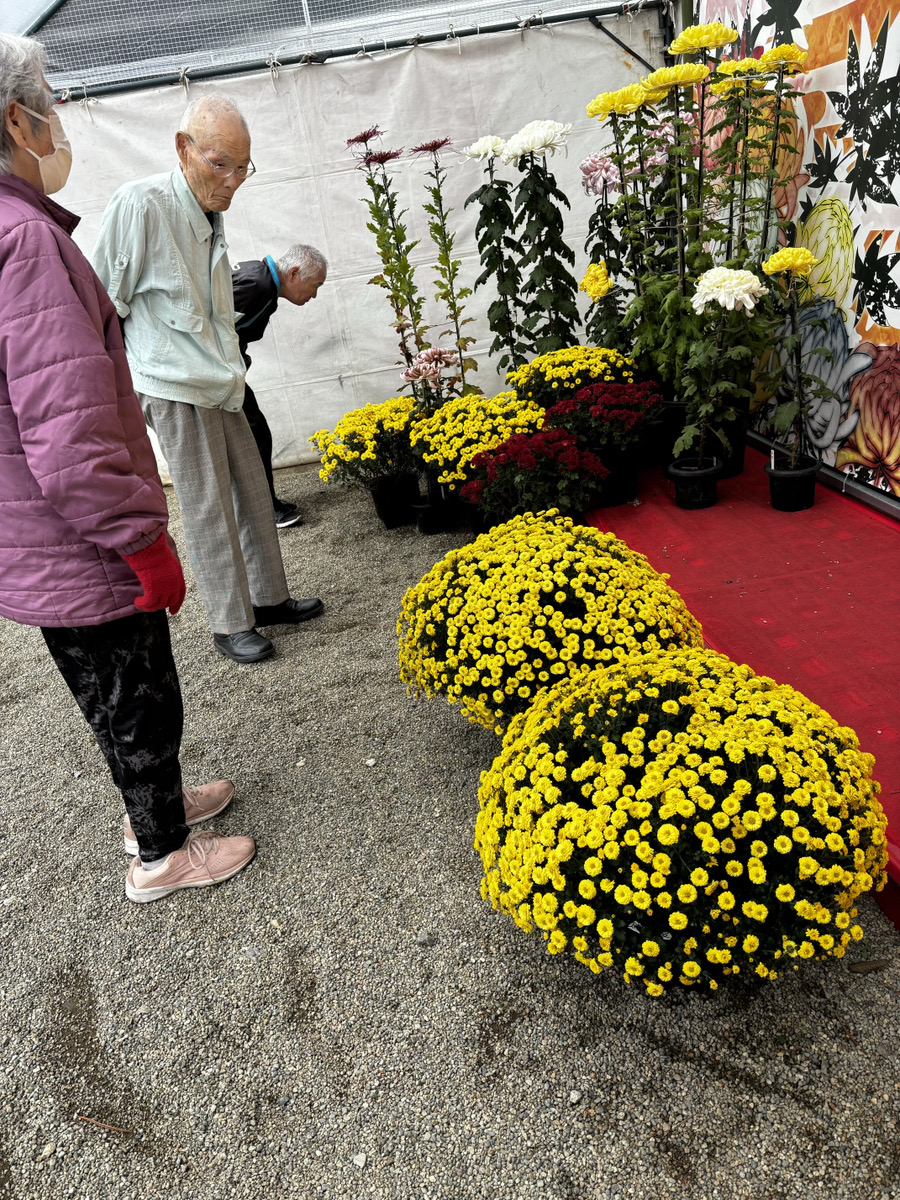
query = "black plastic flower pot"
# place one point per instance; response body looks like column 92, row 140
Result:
column 733, row 459
column 792, row 489
column 695, row 481
column 660, row 436
column 394, row 497
column 439, row 516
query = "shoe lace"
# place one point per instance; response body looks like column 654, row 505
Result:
column 199, row 846
column 191, row 804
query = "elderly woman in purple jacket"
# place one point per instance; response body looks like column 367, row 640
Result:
column 84, row 552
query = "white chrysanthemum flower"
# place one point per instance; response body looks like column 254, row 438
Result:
column 731, row 289
column 538, row 138
column 486, row 147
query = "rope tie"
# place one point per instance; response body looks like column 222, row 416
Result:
column 273, row 64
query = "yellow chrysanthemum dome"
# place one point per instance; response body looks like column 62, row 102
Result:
column 757, row 811
column 666, row 78
column 796, row 259
column 703, row 37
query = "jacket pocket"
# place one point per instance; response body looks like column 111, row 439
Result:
column 173, row 316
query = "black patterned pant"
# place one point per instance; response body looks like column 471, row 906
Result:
column 124, row 680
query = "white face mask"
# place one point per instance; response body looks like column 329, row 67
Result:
column 54, row 167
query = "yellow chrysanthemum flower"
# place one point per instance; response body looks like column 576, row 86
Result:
column 790, row 56
column 796, row 259
column 703, row 37
column 596, row 282
column 737, row 76
column 685, row 75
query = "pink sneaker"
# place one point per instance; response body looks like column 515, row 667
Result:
column 203, row 860
column 200, row 803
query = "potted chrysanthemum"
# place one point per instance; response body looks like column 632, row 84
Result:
column 610, row 419
column 369, row 447
column 716, row 378
column 797, row 387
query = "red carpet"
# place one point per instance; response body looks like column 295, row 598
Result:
column 809, row 598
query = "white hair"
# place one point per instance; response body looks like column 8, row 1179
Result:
column 205, row 108
column 310, row 261
column 23, row 62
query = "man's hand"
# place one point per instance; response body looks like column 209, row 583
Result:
column 159, row 571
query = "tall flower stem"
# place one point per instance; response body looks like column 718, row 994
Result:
column 408, row 289
column 493, row 236
column 773, row 161
column 382, row 227
column 745, row 168
column 447, row 269
column 632, row 240
column 799, row 428
column 645, row 204
column 679, row 200
column 701, row 119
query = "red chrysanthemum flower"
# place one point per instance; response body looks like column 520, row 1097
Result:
column 431, row 147
column 380, row 157
column 363, row 139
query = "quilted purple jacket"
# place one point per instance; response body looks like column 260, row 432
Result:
column 78, row 480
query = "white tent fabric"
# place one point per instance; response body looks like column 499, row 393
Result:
column 338, row 352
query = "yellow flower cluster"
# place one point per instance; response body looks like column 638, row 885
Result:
column 666, row 78
column 596, row 282
column 796, row 259
column 734, row 76
column 622, row 102
column 703, row 37
column 649, row 91
column 681, row 819
column 791, row 56
column 451, row 437
column 527, row 604
column 367, row 442
column 546, row 379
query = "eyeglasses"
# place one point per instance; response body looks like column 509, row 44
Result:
column 219, row 169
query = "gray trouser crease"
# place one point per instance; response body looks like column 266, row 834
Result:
column 226, row 509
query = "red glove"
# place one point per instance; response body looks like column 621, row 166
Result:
column 159, row 571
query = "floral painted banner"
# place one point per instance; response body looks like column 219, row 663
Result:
column 844, row 203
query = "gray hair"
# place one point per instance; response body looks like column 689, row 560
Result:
column 23, row 62
column 310, row 261
column 205, row 108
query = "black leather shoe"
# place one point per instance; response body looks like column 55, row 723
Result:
column 291, row 612
column 245, row 647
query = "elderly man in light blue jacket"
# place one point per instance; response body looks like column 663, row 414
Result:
column 162, row 257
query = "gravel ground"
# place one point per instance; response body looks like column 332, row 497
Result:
column 346, row 1018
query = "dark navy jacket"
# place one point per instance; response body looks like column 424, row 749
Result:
column 256, row 288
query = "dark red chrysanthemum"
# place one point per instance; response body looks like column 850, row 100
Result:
column 431, row 147
column 363, row 139
column 380, row 157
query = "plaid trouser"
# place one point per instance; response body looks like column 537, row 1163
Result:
column 124, row 680
column 226, row 509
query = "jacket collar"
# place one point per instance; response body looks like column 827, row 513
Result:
column 195, row 214
column 12, row 184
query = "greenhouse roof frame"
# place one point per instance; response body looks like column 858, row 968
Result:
column 158, row 45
